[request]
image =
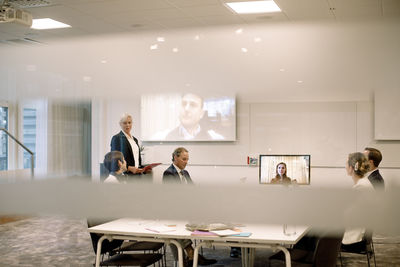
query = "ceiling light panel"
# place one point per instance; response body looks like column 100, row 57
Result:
column 254, row 7
column 47, row 23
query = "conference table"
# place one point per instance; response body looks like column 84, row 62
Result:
column 169, row 231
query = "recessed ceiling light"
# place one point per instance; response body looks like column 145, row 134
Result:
column 45, row 24
column 254, row 7
column 244, row 49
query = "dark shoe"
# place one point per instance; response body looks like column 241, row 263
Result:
column 204, row 261
column 235, row 252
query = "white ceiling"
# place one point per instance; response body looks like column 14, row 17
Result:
column 93, row 17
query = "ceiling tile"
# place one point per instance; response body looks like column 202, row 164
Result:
column 94, row 25
column 179, row 23
column 213, row 10
column 305, row 9
column 167, row 13
column 356, row 8
column 221, row 20
column 127, row 21
column 186, row 3
column 58, row 12
column 118, row 6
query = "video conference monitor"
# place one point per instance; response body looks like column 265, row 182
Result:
column 297, row 169
column 188, row 117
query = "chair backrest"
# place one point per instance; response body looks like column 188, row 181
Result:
column 327, row 250
column 103, row 172
column 368, row 236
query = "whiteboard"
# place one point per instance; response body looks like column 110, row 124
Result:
column 324, row 130
column 387, row 114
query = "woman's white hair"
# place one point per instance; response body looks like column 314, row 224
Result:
column 124, row 117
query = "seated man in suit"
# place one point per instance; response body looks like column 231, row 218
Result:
column 177, row 174
column 374, row 158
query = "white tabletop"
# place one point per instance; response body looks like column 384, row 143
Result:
column 260, row 233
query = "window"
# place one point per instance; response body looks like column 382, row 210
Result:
column 29, row 135
column 3, row 139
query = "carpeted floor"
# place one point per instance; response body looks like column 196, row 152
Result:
column 60, row 241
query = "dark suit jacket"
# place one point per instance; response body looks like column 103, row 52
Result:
column 171, row 175
column 376, row 180
column 119, row 142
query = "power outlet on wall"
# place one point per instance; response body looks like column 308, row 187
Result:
column 252, row 161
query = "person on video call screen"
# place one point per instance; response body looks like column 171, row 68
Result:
column 190, row 115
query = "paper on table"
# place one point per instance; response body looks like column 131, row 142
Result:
column 226, row 232
column 202, row 233
column 247, row 234
column 160, row 228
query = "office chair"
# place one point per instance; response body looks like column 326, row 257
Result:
column 103, row 172
column 366, row 247
column 324, row 254
column 152, row 247
column 116, row 258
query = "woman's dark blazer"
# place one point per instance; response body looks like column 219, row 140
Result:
column 119, row 142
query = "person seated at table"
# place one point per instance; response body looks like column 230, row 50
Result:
column 116, row 165
column 177, row 174
column 374, row 157
column 357, row 166
column 281, row 177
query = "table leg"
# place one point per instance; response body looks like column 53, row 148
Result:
column 245, row 255
column 196, row 253
column 98, row 251
column 180, row 252
column 287, row 255
column 251, row 256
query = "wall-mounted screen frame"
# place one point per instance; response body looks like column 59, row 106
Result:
column 297, row 169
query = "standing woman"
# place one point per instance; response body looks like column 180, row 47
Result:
column 128, row 145
column 281, row 177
